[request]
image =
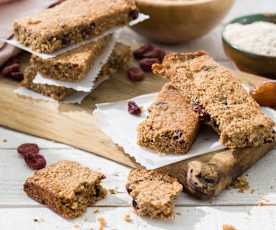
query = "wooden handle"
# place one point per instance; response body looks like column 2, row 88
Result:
column 205, row 177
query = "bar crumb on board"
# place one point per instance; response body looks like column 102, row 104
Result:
column 228, row 227
column 242, row 184
column 127, row 218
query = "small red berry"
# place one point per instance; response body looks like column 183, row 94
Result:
column 134, row 109
column 139, row 53
column 146, row 63
column 135, row 74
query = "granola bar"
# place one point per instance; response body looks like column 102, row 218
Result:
column 171, row 126
column 66, row 187
column 70, row 23
column 219, row 98
column 73, row 65
column 119, row 57
column 153, row 193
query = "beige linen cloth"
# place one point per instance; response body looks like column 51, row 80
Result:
column 11, row 10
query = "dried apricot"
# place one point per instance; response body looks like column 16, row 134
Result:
column 265, row 94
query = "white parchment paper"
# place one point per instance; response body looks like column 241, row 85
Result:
column 88, row 83
column 14, row 42
column 115, row 121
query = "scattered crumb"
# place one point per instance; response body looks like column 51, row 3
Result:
column 241, row 183
column 115, row 174
column 178, row 214
column 77, row 226
column 252, row 190
column 97, row 210
column 40, row 220
column 4, row 140
column 113, row 191
column 127, row 218
column 263, row 202
column 228, row 227
column 271, row 187
column 102, row 223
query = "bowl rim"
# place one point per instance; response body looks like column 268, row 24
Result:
column 175, row 3
column 240, row 50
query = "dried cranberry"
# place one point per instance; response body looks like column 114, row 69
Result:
column 28, row 148
column 35, row 162
column 146, row 63
column 139, row 53
column 14, row 67
column 134, row 204
column 133, row 14
column 133, row 108
column 135, row 74
column 129, row 190
column 155, row 53
column 203, row 115
column 17, row 76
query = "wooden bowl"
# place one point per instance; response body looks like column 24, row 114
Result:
column 176, row 21
column 247, row 61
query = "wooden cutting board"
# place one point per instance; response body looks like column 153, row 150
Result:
column 74, row 124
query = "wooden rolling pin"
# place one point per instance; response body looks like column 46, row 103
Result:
column 206, row 176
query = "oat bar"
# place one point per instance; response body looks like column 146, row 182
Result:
column 66, row 187
column 153, row 193
column 119, row 57
column 219, row 98
column 72, row 22
column 171, row 126
column 72, row 65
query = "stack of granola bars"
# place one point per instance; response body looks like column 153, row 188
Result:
column 202, row 91
column 74, row 45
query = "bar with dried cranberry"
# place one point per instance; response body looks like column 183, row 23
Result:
column 171, row 126
column 219, row 98
column 153, row 193
column 68, row 24
column 66, row 187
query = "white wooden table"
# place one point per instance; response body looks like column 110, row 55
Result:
column 241, row 210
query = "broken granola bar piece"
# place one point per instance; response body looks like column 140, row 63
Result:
column 153, row 193
column 66, row 187
column 68, row 24
column 219, row 97
column 72, row 65
column 119, row 57
column 171, row 126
